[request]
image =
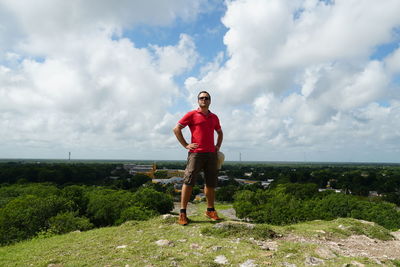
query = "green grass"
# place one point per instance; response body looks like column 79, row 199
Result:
column 338, row 228
column 196, row 244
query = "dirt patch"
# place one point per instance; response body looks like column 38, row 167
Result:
column 355, row 246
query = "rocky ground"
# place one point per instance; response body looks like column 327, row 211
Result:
column 353, row 246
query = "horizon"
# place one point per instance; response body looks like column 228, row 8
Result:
column 63, row 160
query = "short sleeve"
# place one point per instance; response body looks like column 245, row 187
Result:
column 186, row 120
column 217, row 126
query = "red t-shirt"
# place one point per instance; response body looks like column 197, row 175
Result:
column 202, row 128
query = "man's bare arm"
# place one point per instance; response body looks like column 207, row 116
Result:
column 178, row 133
column 219, row 139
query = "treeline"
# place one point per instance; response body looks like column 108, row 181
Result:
column 28, row 210
column 293, row 203
column 58, row 173
column 357, row 180
column 62, row 174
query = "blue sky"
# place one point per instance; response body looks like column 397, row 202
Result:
column 109, row 81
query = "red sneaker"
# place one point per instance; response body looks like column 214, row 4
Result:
column 183, row 219
column 212, row 215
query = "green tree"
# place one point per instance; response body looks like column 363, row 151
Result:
column 26, row 215
column 105, row 205
column 136, row 213
column 151, row 199
column 66, row 222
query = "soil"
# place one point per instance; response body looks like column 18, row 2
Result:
column 355, row 246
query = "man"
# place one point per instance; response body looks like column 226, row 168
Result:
column 202, row 154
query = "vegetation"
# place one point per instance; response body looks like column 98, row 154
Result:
column 293, row 203
column 48, row 198
column 197, row 244
column 29, row 209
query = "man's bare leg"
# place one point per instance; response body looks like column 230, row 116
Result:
column 210, row 196
column 185, row 195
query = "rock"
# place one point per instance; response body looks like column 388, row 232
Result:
column 356, row 263
column 325, row 253
column 231, row 224
column 287, row 264
column 313, row 261
column 272, row 245
column 342, row 226
column 221, row 259
column 366, row 222
column 164, row 243
column 248, row 263
column 230, row 213
column 195, row 246
column 320, row 231
column 122, row 246
column 168, row 216
column 182, row 240
column 396, row 235
column 216, row 248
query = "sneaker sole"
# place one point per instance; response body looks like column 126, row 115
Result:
column 212, row 218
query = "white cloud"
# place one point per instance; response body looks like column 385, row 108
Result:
column 393, row 62
column 299, row 74
column 177, row 59
column 91, row 90
column 45, row 23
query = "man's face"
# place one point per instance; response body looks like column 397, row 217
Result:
column 204, row 100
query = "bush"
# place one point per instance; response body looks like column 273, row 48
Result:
column 77, row 194
column 8, row 193
column 67, row 222
column 26, row 215
column 226, row 193
column 153, row 200
column 105, row 205
column 137, row 214
column 284, row 205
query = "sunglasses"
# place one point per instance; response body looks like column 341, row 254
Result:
column 204, row 98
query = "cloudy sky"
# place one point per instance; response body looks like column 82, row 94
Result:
column 291, row 80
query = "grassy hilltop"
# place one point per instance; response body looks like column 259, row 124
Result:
column 341, row 242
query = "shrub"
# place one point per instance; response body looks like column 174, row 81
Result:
column 151, row 199
column 26, row 215
column 8, row 193
column 284, row 205
column 137, row 214
column 105, row 205
column 67, row 222
column 226, row 193
column 77, row 194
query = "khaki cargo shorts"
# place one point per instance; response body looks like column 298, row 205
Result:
column 197, row 162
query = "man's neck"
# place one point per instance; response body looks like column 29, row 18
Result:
column 204, row 110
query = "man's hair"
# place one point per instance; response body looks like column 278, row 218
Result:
column 205, row 93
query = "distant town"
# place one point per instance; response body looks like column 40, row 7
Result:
column 175, row 176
